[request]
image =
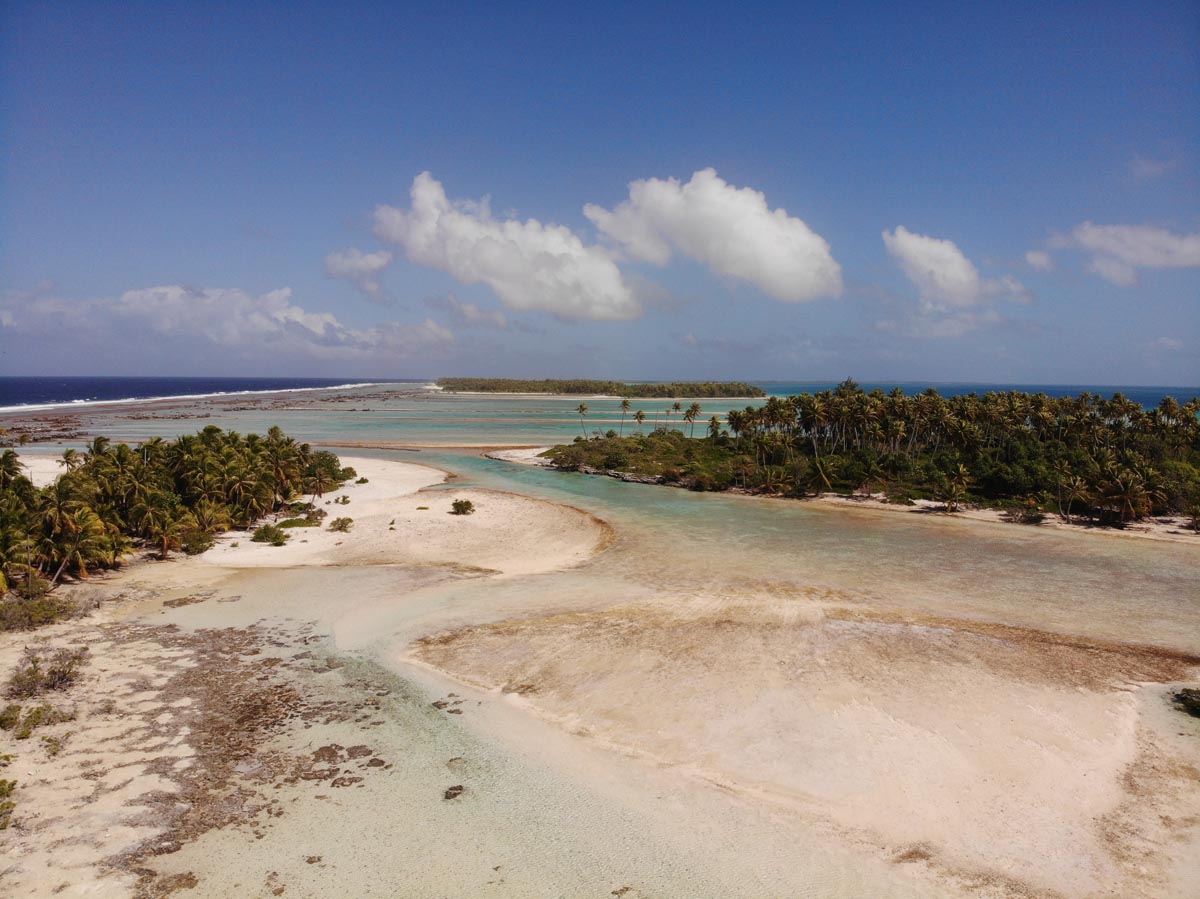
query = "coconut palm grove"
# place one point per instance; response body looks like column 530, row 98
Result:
column 1108, row 460
column 161, row 495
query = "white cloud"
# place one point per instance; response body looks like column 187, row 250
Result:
column 1040, row 260
column 1144, row 169
column 529, row 265
column 187, row 321
column 944, row 277
column 1113, row 270
column 952, row 296
column 359, row 268
column 1165, row 345
column 729, row 229
column 468, row 315
column 1118, row 251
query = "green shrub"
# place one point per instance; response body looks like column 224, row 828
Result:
column 196, row 542
column 347, row 473
column 32, row 587
column 38, row 716
column 36, row 674
column 616, row 461
column 1188, row 701
column 20, row 614
column 362, row 481
column 462, row 507
column 269, row 533
column 1025, row 513
column 7, row 806
column 9, row 716
column 341, row 524
column 299, row 523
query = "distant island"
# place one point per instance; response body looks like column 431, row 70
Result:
column 1110, row 461
column 585, row 387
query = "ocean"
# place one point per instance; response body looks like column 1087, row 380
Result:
column 31, row 393
column 21, row 393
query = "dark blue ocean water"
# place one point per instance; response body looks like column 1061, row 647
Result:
column 1146, row 396
column 52, row 391
column 22, row 391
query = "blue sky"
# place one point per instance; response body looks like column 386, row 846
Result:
column 939, row 192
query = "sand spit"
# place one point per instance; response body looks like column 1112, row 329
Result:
column 1003, row 761
column 526, row 455
column 397, row 522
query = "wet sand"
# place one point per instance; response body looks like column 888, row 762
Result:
column 410, row 712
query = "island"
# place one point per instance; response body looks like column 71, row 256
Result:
column 1109, row 461
column 586, row 387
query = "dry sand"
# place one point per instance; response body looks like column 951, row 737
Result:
column 41, row 469
column 397, row 523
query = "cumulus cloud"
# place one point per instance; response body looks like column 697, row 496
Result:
column 468, row 315
column 944, row 277
column 184, row 320
column 1118, row 251
column 359, row 268
column 729, row 229
column 530, row 265
column 1039, row 260
column 952, row 297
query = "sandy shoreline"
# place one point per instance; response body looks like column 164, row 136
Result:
column 406, row 709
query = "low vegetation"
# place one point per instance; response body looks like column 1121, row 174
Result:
column 581, row 386
column 160, row 495
column 1108, row 461
column 462, row 507
column 7, row 806
column 36, row 673
column 1188, row 700
column 42, row 714
column 342, row 525
column 270, row 533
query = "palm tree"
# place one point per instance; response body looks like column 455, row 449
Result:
column 690, row 417
column 955, row 487
column 582, row 410
column 10, row 468
column 714, row 428
column 98, row 447
column 624, row 409
column 1071, row 489
column 71, row 459
column 639, row 417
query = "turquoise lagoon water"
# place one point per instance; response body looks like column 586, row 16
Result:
column 679, row 544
